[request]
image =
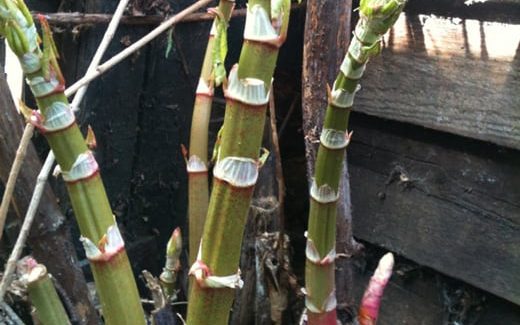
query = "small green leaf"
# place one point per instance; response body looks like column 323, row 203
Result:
column 220, row 49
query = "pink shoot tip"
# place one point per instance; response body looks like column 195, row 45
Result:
column 174, row 246
column 369, row 308
column 25, row 265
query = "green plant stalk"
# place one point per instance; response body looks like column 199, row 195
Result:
column 44, row 297
column 231, row 193
column 376, row 18
column 168, row 277
column 113, row 275
column 198, row 191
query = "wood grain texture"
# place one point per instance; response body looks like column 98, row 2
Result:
column 326, row 39
column 453, row 207
column 455, row 75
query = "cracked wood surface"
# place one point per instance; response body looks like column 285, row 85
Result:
column 455, row 75
column 453, row 207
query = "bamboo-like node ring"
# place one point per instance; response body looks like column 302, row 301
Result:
column 84, row 167
column 324, row 193
column 196, row 165
column 329, row 304
column 342, row 98
column 42, row 87
column 249, row 91
column 205, row 279
column 312, row 254
column 109, row 246
column 347, row 68
column 258, row 26
column 237, row 171
column 59, row 116
column 335, row 139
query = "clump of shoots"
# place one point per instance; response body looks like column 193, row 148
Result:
column 172, row 265
column 42, row 293
column 369, row 308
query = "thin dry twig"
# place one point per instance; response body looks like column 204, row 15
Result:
column 159, row 300
column 289, row 114
column 79, row 18
column 109, row 35
column 26, row 227
column 137, row 45
column 13, row 174
column 278, row 161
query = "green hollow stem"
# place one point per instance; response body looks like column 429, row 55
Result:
column 376, row 18
column 115, row 282
column 168, row 277
column 198, row 200
column 44, row 297
column 198, row 188
column 216, row 269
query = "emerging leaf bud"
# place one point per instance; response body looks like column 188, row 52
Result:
column 174, row 246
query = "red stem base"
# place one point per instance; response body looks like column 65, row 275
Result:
column 328, row 318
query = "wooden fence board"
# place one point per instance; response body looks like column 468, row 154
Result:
column 456, row 75
column 453, row 207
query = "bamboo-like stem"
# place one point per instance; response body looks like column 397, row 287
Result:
column 13, row 174
column 110, row 266
column 236, row 170
column 198, row 192
column 376, row 17
column 43, row 295
column 172, row 265
column 371, row 301
column 35, row 200
column 29, row 129
column 52, row 233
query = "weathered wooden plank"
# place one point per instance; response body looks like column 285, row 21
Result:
column 453, row 207
column 456, row 75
